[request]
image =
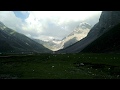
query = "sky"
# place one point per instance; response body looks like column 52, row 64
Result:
column 46, row 25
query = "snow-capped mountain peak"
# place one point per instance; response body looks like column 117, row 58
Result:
column 83, row 25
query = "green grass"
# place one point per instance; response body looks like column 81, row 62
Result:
column 60, row 66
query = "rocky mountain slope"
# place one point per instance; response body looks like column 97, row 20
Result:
column 14, row 42
column 108, row 42
column 78, row 33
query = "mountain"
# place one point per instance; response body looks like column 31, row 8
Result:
column 77, row 34
column 51, row 44
column 107, row 21
column 14, row 42
column 108, row 42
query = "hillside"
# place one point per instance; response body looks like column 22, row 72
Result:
column 14, row 42
column 108, row 42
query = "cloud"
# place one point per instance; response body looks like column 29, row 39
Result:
column 10, row 20
column 47, row 24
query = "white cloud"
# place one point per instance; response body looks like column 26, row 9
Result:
column 10, row 20
column 46, row 24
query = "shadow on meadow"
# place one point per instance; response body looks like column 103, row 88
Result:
column 60, row 66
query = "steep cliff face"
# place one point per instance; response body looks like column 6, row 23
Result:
column 109, row 42
column 108, row 20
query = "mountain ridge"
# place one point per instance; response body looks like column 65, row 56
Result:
column 109, row 42
column 16, row 42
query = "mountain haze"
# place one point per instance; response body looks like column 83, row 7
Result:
column 52, row 44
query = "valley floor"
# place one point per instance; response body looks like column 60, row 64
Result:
column 60, row 66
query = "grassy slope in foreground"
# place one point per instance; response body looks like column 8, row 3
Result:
column 60, row 66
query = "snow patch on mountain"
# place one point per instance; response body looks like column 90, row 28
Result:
column 78, row 33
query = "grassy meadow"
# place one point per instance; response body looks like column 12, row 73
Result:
column 60, row 66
